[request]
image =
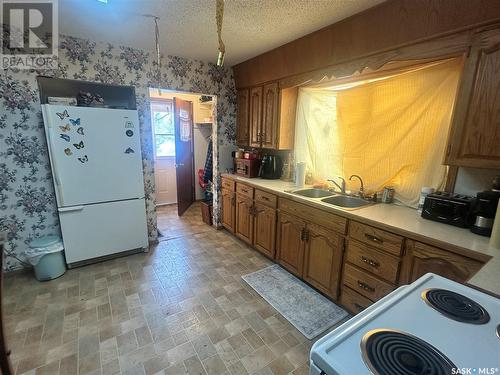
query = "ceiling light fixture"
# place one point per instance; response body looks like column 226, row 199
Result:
column 219, row 15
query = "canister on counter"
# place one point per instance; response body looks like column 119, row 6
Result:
column 388, row 194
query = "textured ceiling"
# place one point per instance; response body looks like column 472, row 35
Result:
column 187, row 27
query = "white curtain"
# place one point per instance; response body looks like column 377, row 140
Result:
column 391, row 130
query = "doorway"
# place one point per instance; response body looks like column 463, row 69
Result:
column 182, row 125
column 164, row 151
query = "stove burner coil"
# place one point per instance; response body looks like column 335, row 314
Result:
column 389, row 352
column 455, row 306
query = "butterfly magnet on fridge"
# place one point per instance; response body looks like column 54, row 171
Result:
column 62, row 115
column 75, row 122
column 65, row 128
column 78, row 146
column 83, row 159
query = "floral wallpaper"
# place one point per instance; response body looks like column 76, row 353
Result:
column 27, row 199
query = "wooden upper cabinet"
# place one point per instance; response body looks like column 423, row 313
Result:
column 290, row 244
column 255, row 116
column 323, row 259
column 242, row 130
column 269, row 112
column 264, row 236
column 475, row 135
column 270, row 115
column 421, row 259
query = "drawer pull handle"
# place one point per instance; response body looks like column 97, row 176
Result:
column 369, row 262
column 366, row 287
column 358, row 306
column 244, row 190
column 265, row 198
column 373, row 238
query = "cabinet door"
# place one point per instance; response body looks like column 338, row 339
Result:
column 228, row 205
column 475, row 136
column 421, row 259
column 290, row 245
column 323, row 259
column 255, row 117
column 244, row 218
column 270, row 115
column 242, row 131
column 265, row 229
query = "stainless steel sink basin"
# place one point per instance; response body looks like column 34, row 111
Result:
column 313, row 193
column 346, row 202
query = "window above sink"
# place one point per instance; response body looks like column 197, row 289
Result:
column 391, row 129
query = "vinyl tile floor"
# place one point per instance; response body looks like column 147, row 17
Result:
column 172, row 226
column 181, row 308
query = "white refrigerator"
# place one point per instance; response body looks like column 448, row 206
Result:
column 95, row 156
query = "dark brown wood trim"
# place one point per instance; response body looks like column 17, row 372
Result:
column 389, row 26
column 451, row 179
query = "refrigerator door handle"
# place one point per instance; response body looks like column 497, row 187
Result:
column 53, row 161
column 69, row 209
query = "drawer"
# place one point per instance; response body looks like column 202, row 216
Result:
column 266, row 198
column 378, row 238
column 244, row 190
column 352, row 301
column 227, row 184
column 319, row 217
column 365, row 284
column 372, row 260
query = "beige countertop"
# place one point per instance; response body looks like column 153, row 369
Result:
column 405, row 221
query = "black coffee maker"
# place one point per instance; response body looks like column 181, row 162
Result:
column 485, row 207
column 271, row 167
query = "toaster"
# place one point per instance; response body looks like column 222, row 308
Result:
column 448, row 208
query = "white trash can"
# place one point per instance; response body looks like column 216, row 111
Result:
column 47, row 258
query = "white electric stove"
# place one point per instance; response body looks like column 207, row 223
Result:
column 433, row 326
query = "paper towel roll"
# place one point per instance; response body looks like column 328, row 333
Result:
column 300, row 174
column 495, row 232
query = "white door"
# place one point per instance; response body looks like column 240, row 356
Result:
column 95, row 154
column 164, row 151
column 166, row 186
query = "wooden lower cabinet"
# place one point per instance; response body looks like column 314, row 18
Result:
column 323, row 259
column 353, row 301
column 421, row 259
column 228, row 209
column 365, row 284
column 373, row 260
column 264, row 235
column 309, row 243
column 290, row 244
column 244, row 218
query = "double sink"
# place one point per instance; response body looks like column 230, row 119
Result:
column 343, row 201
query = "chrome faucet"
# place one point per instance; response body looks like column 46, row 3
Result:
column 362, row 186
column 341, row 186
